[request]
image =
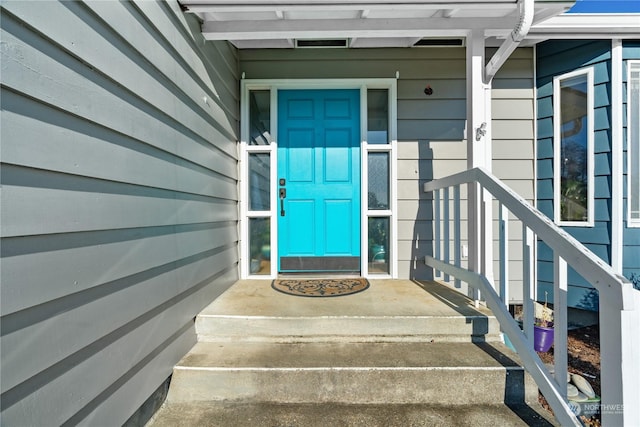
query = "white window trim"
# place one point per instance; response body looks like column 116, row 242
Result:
column 274, row 85
column 631, row 222
column 557, row 138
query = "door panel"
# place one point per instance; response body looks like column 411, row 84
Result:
column 319, row 160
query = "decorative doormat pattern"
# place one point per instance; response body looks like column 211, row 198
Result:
column 320, row 287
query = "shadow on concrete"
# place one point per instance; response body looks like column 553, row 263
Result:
column 515, row 379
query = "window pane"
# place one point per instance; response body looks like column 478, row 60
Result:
column 259, row 182
column 378, row 180
column 378, row 116
column 634, row 142
column 574, row 178
column 259, row 117
column 378, row 245
column 259, row 244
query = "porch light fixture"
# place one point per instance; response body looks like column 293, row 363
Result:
column 481, row 131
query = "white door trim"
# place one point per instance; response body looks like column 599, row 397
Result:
column 273, row 85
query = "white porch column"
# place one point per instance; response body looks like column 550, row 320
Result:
column 478, row 155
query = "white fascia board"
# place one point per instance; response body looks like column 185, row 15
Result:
column 588, row 24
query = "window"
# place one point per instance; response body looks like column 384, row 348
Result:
column 379, row 181
column 633, row 150
column 259, row 182
column 378, row 116
column 260, row 117
column 573, row 148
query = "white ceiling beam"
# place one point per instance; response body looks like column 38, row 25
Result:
column 341, row 28
column 304, row 6
column 448, row 13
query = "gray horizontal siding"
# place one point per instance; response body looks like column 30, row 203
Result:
column 431, row 129
column 119, row 202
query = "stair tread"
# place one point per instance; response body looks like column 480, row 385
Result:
column 320, row 415
column 400, row 355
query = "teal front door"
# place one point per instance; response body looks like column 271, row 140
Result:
column 318, row 180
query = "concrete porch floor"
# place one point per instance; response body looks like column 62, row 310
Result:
column 384, row 297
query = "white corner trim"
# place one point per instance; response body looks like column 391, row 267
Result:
column 631, row 222
column 617, row 156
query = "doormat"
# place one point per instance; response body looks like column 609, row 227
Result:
column 320, row 287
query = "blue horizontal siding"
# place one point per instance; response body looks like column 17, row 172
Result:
column 545, row 254
column 630, row 49
column 555, row 58
column 602, row 141
column 545, row 189
column 545, row 170
column 561, row 56
column 545, row 148
column 602, row 164
column 577, row 296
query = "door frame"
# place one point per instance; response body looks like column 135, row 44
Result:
column 273, row 85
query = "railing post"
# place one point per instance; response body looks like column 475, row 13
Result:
column 504, row 253
column 436, row 227
column 560, row 321
column 474, row 233
column 528, row 284
column 447, row 237
column 619, row 366
column 486, row 203
column 456, row 231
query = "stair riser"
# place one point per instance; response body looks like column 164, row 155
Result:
column 441, row 329
column 435, row 386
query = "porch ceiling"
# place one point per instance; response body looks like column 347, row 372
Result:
column 364, row 23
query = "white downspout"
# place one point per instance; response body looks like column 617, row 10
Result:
column 510, row 44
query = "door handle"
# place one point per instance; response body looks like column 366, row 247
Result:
column 283, row 195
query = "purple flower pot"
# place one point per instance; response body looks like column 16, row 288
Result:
column 542, row 338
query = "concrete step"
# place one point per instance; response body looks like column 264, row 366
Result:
column 337, row 415
column 388, row 311
column 352, row 328
column 351, row 373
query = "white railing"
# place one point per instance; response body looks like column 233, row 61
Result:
column 619, row 302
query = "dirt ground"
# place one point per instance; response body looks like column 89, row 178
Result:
column 584, row 359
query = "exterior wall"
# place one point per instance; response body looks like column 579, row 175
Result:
column 431, row 129
column 631, row 235
column 119, row 202
column 556, row 58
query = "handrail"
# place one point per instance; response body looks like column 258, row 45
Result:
column 533, row 364
column 619, row 302
column 610, row 285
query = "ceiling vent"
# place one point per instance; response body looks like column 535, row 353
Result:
column 321, row 43
column 437, row 42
